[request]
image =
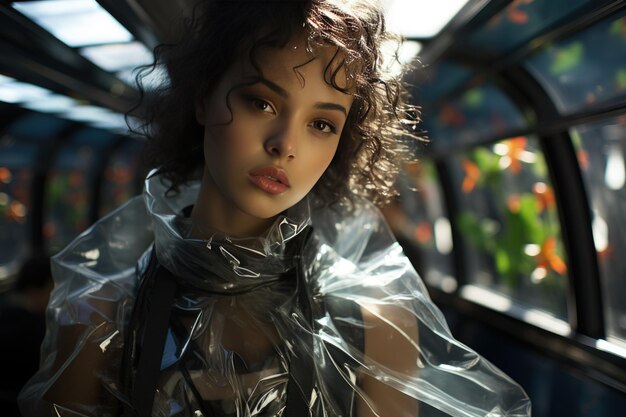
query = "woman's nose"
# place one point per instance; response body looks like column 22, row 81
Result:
column 283, row 143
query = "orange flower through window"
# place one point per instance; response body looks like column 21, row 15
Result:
column 17, row 212
column 544, row 195
column 423, row 233
column 515, row 152
column 452, row 116
column 549, row 259
column 515, row 15
column 5, row 175
column 472, row 174
column 514, row 203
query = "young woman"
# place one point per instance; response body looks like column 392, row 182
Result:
column 256, row 277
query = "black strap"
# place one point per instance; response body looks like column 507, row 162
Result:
column 301, row 370
column 149, row 324
column 301, row 374
column 149, row 365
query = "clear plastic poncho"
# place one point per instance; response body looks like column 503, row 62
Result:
column 370, row 342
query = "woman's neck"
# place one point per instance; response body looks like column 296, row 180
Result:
column 212, row 213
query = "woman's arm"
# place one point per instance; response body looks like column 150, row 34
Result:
column 79, row 366
column 83, row 355
column 391, row 338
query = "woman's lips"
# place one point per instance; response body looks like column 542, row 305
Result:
column 270, row 179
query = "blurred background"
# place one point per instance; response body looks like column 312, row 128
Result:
column 515, row 215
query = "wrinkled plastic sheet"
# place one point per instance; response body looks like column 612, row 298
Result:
column 237, row 321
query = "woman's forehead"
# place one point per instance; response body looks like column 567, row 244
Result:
column 297, row 58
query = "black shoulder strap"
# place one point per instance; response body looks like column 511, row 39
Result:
column 301, row 371
column 147, row 335
column 300, row 384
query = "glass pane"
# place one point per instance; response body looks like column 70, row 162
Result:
column 68, row 188
column 37, row 126
column 521, row 21
column 419, row 221
column 67, row 197
column 434, row 82
column 587, row 69
column 480, row 112
column 16, row 162
column 119, row 178
column 601, row 149
column 509, row 221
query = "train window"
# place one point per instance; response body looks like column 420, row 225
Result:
column 37, row 126
column 69, row 182
column 587, row 69
column 509, row 222
column 520, row 22
column 16, row 163
column 19, row 152
column 601, row 149
column 435, row 82
column 119, row 177
column 421, row 225
column 482, row 111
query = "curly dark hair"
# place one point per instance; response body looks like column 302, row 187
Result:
column 377, row 136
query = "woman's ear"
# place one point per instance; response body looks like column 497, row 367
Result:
column 200, row 108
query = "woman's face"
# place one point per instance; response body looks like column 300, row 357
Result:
column 267, row 143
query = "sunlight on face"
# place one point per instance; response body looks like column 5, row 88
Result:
column 269, row 137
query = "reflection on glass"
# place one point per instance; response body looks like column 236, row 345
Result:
column 510, row 223
column 421, row 226
column 587, row 69
column 521, row 21
column 480, row 112
column 601, row 149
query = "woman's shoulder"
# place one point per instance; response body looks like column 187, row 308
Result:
column 356, row 228
column 109, row 250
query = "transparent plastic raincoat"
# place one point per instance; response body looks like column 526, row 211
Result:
column 324, row 311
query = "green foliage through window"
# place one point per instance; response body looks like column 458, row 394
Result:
column 509, row 216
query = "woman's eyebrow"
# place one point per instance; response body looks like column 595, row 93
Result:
column 274, row 87
column 285, row 94
column 331, row 106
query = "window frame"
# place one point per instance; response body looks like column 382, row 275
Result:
column 585, row 346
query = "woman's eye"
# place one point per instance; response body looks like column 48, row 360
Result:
column 262, row 105
column 323, row 126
